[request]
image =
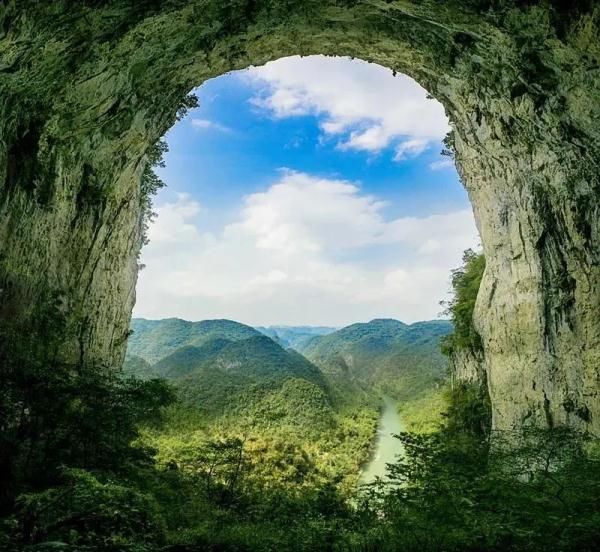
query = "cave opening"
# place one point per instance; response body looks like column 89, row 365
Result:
column 282, row 195
column 85, row 113
column 87, row 90
column 296, row 213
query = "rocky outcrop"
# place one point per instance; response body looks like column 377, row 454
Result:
column 468, row 367
column 87, row 88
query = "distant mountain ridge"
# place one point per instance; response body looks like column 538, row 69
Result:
column 294, row 336
column 225, row 368
column 379, row 329
column 222, row 366
column 378, row 333
column 384, row 353
column 153, row 340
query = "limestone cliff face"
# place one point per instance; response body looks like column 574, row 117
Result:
column 86, row 89
column 467, row 366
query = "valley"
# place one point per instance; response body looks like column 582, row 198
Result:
column 300, row 162
column 217, row 437
column 313, row 406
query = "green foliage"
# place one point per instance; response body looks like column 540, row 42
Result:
column 469, row 410
column 381, row 350
column 452, row 491
column 297, row 401
column 82, row 417
column 389, row 357
column 284, row 431
column 465, row 286
column 150, row 183
column 57, row 414
column 153, row 340
column 187, row 360
column 375, row 335
column 218, row 467
column 295, row 432
column 531, row 491
column 92, row 459
column 260, row 358
column 136, row 367
column 425, row 412
column 449, row 143
column 250, row 378
column 87, row 511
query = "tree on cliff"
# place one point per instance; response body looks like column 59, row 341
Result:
column 465, row 285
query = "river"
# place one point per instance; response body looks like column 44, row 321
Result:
column 387, row 447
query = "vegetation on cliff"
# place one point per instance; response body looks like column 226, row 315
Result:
column 465, row 285
column 462, row 488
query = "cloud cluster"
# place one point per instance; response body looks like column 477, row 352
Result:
column 362, row 106
column 303, row 251
column 206, row 124
column 444, row 163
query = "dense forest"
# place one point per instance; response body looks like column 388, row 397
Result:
column 388, row 356
column 236, row 382
column 218, row 437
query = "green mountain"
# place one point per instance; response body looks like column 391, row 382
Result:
column 138, row 367
column 400, row 359
column 235, row 380
column 153, row 340
column 223, row 368
column 295, row 337
column 188, row 359
column 258, row 358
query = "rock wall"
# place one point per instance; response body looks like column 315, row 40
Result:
column 86, row 88
column 467, row 367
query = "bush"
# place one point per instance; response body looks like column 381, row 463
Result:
column 465, row 286
column 465, row 488
column 87, row 511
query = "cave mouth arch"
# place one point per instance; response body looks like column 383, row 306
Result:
column 86, row 91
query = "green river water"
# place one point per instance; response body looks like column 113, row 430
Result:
column 387, row 447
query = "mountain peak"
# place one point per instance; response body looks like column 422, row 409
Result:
column 153, row 340
column 388, row 322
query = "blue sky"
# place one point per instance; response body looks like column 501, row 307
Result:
column 307, row 191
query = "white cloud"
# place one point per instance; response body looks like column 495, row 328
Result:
column 296, row 254
column 374, row 139
column 364, row 106
column 410, row 148
column 442, row 164
column 206, row 124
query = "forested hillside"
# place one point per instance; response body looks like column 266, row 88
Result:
column 367, row 348
column 391, row 357
column 155, row 339
column 218, row 364
column 230, row 385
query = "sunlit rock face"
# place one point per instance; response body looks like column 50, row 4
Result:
column 467, row 366
column 86, row 90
